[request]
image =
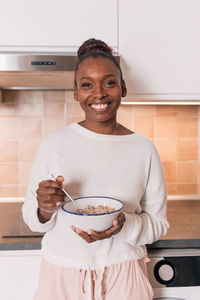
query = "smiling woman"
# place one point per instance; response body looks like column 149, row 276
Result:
column 108, row 264
column 99, row 86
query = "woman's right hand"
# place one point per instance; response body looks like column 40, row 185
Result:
column 49, row 197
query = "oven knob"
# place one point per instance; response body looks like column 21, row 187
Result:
column 164, row 272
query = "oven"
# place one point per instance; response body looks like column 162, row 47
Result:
column 175, row 273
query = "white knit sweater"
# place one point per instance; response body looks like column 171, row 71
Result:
column 126, row 167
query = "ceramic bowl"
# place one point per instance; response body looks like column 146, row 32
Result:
column 98, row 222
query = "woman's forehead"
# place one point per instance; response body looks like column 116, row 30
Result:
column 98, row 64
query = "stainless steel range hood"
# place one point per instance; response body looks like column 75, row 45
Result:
column 37, row 70
column 26, row 70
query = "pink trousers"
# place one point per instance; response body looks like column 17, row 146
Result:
column 125, row 281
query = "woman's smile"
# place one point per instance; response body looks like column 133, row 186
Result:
column 99, row 107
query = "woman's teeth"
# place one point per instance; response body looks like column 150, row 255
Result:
column 99, row 107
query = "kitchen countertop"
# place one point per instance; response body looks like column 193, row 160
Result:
column 9, row 213
column 183, row 217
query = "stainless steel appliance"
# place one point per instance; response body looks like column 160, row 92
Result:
column 38, row 70
column 175, row 273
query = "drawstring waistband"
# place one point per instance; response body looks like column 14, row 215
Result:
column 100, row 283
column 89, row 283
column 91, row 276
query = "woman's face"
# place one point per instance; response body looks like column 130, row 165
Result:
column 98, row 89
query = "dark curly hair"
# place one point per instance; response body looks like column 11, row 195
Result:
column 95, row 48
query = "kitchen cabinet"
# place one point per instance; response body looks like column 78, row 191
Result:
column 60, row 25
column 159, row 47
column 19, row 272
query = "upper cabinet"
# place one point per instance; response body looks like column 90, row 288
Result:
column 160, row 48
column 56, row 25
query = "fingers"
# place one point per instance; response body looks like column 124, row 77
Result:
column 60, row 179
column 50, row 183
column 50, row 195
column 105, row 234
column 49, row 191
column 119, row 220
column 96, row 236
column 87, row 237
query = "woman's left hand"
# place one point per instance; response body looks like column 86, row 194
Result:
column 94, row 236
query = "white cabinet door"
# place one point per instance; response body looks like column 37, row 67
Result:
column 159, row 46
column 19, row 272
column 56, row 25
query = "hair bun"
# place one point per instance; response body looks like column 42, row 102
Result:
column 93, row 44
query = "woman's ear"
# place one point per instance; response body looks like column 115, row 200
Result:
column 124, row 89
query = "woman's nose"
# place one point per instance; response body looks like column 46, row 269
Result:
column 99, row 92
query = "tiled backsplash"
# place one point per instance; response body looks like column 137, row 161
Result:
column 27, row 116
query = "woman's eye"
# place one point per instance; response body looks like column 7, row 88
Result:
column 86, row 85
column 110, row 83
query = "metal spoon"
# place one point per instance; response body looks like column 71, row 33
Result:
column 74, row 203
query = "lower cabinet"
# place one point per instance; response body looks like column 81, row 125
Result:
column 19, row 273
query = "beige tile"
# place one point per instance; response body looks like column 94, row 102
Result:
column 187, row 110
column 51, row 124
column 144, row 125
column 9, row 191
column 54, row 109
column 187, row 172
column 22, row 191
column 29, row 109
column 22, row 124
column 30, row 128
column 9, row 128
column 144, row 110
column 23, row 96
column 51, row 96
column 171, row 188
column 187, row 188
column 198, row 125
column 187, row 149
column 166, row 127
column 187, row 127
column 125, row 116
column 9, row 173
column 10, row 97
column 166, row 110
column 27, row 149
column 69, row 97
column 24, row 173
column 199, row 176
column 31, row 96
column 71, row 120
column 8, row 109
column 74, row 109
column 9, row 151
column 167, row 149
column 170, row 171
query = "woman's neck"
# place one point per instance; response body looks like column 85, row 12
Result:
column 113, row 128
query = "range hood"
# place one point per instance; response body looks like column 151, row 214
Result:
column 26, row 70
column 37, row 70
column 55, row 70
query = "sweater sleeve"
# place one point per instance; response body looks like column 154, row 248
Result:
column 40, row 171
column 148, row 225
